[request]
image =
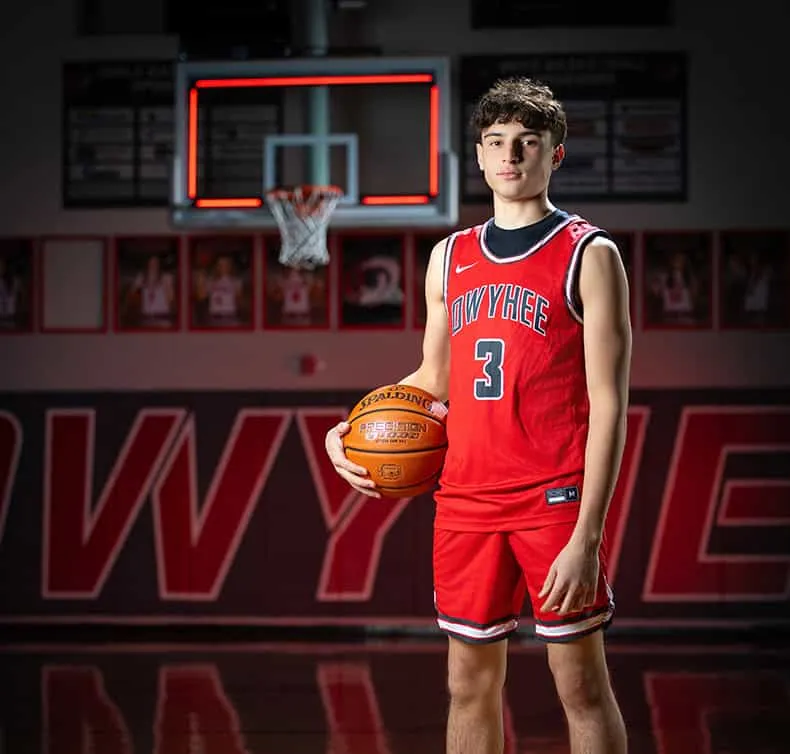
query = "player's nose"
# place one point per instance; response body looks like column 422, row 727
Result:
column 515, row 153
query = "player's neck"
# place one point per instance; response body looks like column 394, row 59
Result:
column 508, row 215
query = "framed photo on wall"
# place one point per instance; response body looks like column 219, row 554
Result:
column 754, row 279
column 372, row 288
column 17, row 285
column 73, row 284
column 147, row 283
column 677, row 280
column 423, row 246
column 221, row 282
column 293, row 298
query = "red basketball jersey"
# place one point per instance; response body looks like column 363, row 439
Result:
column 517, row 424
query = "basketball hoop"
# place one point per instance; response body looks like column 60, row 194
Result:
column 303, row 214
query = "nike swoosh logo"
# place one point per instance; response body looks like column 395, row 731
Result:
column 459, row 269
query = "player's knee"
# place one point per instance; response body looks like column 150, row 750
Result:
column 476, row 672
column 581, row 681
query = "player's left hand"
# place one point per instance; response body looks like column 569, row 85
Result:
column 572, row 580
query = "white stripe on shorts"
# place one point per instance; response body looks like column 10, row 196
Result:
column 475, row 633
column 566, row 630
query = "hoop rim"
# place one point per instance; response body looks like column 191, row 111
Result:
column 305, row 188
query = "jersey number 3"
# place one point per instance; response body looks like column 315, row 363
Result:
column 491, row 351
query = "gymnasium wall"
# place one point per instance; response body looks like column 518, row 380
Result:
column 110, row 443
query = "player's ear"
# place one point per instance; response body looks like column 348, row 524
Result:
column 479, row 150
column 557, row 156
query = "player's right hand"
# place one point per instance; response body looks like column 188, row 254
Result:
column 355, row 475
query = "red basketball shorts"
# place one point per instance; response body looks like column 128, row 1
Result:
column 481, row 580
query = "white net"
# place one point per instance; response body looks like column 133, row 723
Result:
column 302, row 215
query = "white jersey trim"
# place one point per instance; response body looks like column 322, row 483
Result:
column 531, row 250
column 448, row 253
column 572, row 272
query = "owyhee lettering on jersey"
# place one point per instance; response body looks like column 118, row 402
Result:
column 502, row 301
column 392, row 431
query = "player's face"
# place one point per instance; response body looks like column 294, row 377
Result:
column 517, row 162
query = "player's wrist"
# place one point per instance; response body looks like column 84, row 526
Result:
column 588, row 536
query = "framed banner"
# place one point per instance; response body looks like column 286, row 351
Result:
column 17, row 285
column 626, row 123
column 754, row 279
column 147, row 283
column 73, row 284
column 372, row 288
column 678, row 280
column 293, row 299
column 221, row 282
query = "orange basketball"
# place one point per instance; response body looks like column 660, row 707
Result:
column 398, row 434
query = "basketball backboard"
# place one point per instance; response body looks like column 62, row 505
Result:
column 378, row 128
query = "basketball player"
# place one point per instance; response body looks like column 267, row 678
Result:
column 224, row 292
column 157, row 298
column 296, row 304
column 528, row 336
column 678, row 289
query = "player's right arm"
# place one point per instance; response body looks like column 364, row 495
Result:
column 432, row 375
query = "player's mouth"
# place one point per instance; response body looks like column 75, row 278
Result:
column 509, row 175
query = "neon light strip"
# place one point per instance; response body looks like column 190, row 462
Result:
column 254, row 202
column 192, row 145
column 395, row 199
column 245, row 202
column 402, row 78
column 433, row 149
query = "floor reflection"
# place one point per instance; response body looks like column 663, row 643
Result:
column 387, row 698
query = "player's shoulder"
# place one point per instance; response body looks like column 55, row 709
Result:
column 590, row 234
column 448, row 242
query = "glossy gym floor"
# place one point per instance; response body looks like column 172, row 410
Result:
column 370, row 697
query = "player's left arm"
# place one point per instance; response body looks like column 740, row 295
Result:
column 603, row 290
column 570, row 585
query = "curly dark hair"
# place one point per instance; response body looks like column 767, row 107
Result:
column 523, row 100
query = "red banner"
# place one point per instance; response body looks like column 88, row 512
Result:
column 223, row 508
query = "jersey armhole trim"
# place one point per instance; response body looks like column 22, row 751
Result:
column 448, row 252
column 572, row 274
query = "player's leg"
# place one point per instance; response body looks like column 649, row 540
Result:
column 475, row 681
column 581, row 676
column 479, row 592
column 575, row 645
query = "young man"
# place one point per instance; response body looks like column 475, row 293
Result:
column 528, row 336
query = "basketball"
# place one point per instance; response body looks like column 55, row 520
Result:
column 398, row 433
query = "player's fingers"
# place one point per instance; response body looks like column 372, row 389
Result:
column 368, row 492
column 359, row 483
column 571, row 603
column 363, row 486
column 549, row 582
column 337, row 454
column 340, row 461
column 554, row 599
